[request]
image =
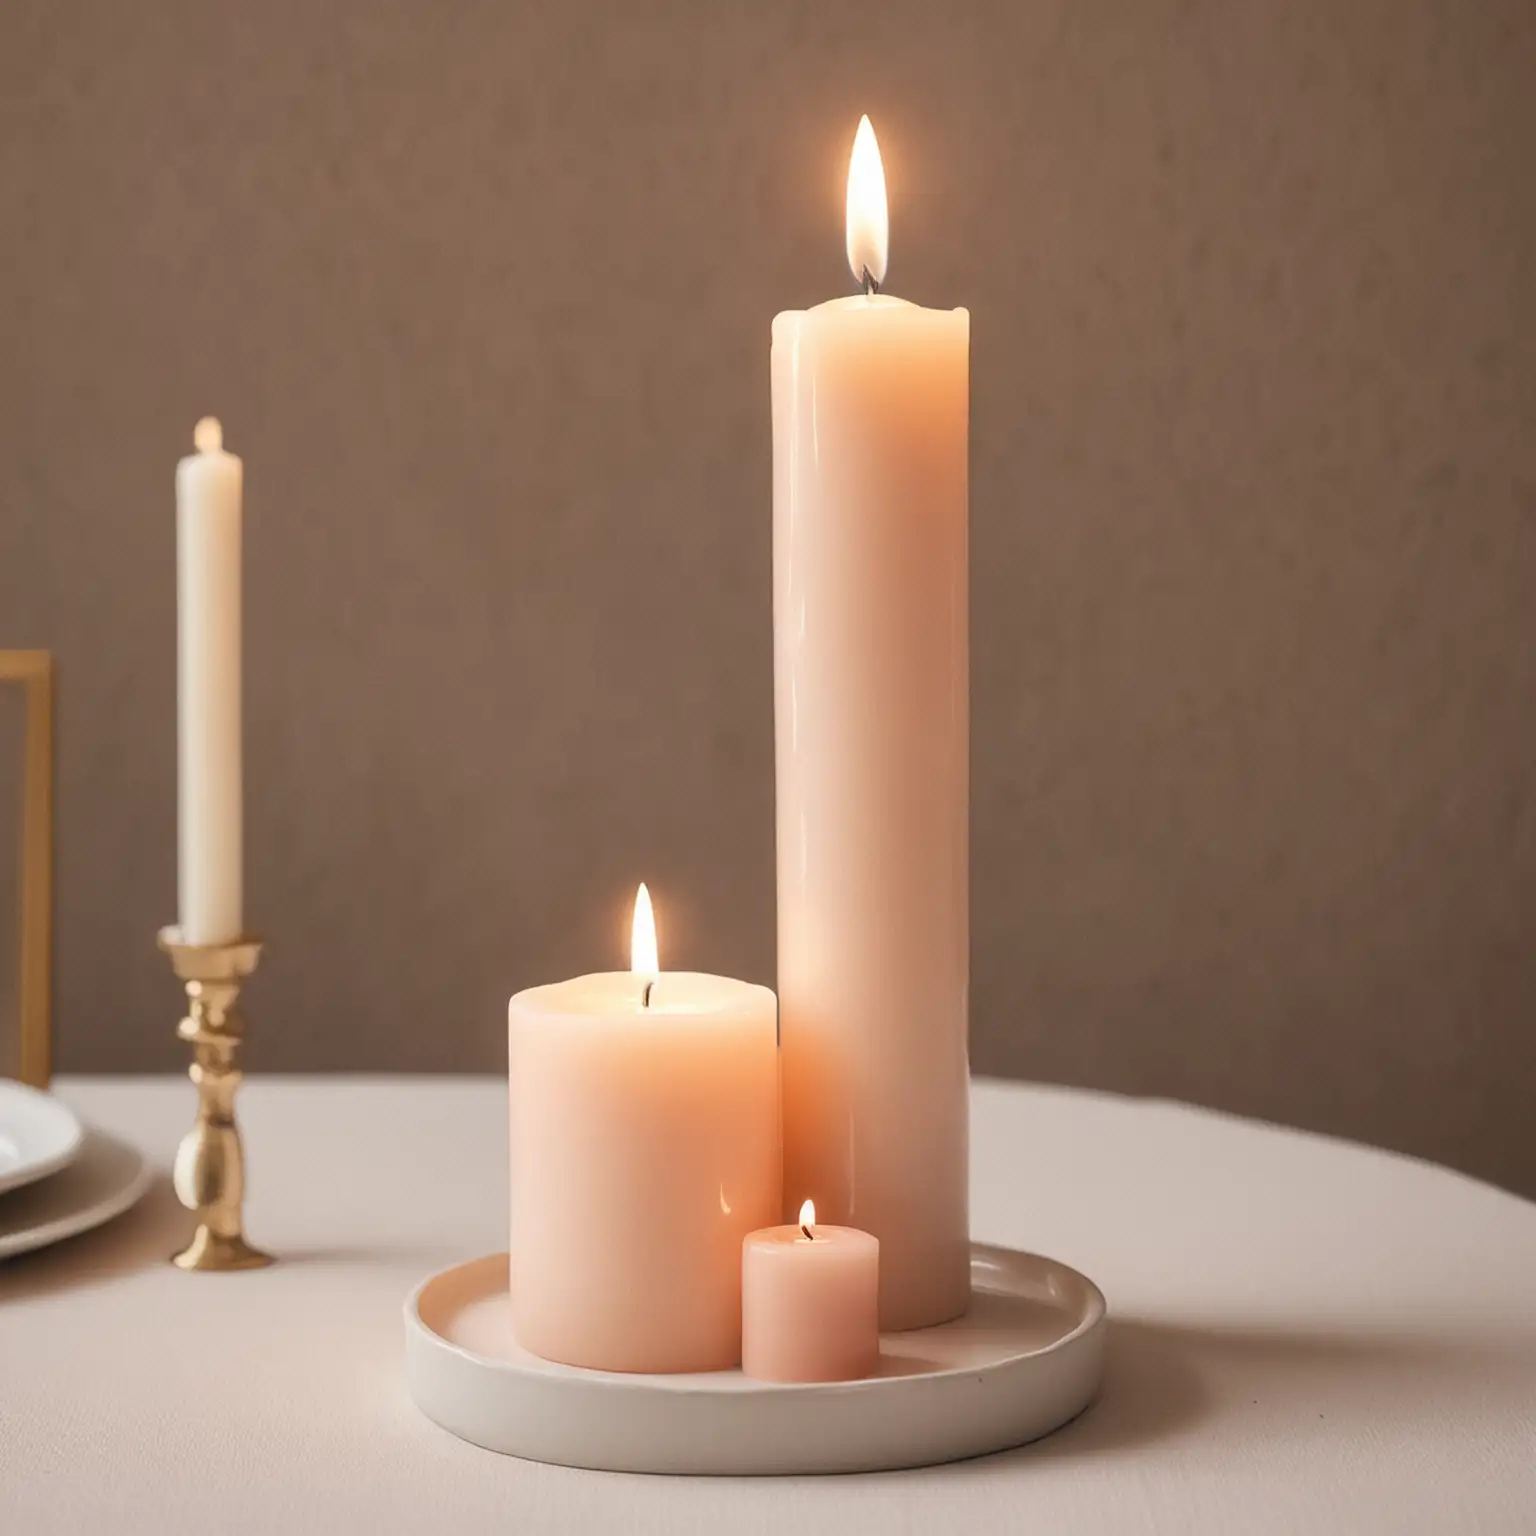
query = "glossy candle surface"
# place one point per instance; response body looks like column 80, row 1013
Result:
column 870, row 422
column 644, row 1148
column 810, row 1305
column 209, row 486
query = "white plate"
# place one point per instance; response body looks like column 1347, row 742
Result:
column 106, row 1178
column 38, row 1134
column 1023, row 1361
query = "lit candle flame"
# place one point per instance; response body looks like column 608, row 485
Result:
column 808, row 1219
column 869, row 221
column 642, row 936
column 208, row 435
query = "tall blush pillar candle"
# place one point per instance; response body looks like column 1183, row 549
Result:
column 209, row 487
column 870, row 424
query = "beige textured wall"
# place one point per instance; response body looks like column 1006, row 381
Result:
column 483, row 294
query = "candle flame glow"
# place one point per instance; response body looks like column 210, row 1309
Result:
column 808, row 1214
column 642, row 936
column 208, row 435
column 869, row 221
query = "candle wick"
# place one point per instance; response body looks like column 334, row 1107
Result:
column 645, row 997
column 871, row 283
column 810, row 1236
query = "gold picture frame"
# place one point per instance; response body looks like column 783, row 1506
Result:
column 34, row 671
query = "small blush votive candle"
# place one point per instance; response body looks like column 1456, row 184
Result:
column 810, row 1302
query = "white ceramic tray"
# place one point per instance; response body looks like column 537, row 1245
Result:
column 1023, row 1361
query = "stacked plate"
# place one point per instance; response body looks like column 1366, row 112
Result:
column 56, row 1177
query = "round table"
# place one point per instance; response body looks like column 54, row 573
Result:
column 1306, row 1336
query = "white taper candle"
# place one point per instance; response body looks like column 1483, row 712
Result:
column 209, row 485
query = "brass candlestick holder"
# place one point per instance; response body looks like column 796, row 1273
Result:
column 210, row 1163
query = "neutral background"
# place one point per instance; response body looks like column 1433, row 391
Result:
column 483, row 293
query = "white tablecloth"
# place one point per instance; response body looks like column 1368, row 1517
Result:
column 1307, row 1336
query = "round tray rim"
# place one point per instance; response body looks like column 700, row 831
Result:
column 542, row 1411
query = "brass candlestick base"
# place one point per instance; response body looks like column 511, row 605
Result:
column 210, row 1164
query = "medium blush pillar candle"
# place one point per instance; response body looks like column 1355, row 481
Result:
column 810, row 1303
column 644, row 1148
column 209, row 488
column 870, row 421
